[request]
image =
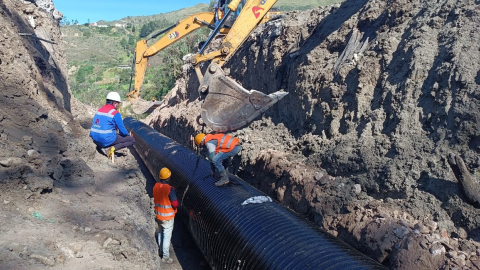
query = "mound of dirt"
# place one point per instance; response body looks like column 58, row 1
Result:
column 380, row 93
column 63, row 205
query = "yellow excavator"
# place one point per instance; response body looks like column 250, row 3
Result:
column 142, row 52
column 227, row 105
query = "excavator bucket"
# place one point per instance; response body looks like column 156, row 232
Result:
column 229, row 106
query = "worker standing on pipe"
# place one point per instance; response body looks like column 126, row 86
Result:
column 105, row 124
column 166, row 205
column 220, row 147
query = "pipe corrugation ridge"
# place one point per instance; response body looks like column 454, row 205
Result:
column 234, row 236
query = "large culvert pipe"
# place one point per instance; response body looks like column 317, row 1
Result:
column 232, row 235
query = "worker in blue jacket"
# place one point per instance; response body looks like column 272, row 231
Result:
column 106, row 122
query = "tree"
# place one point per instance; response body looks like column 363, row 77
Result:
column 82, row 73
column 87, row 34
column 123, row 76
column 123, row 43
column 133, row 28
column 131, row 41
column 64, row 21
column 212, row 4
column 144, row 31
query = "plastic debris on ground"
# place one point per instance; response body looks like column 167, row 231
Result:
column 257, row 199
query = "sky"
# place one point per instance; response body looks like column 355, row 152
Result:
column 112, row 10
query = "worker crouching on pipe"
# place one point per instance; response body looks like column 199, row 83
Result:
column 166, row 205
column 220, row 147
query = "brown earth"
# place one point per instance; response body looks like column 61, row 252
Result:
column 380, row 92
column 64, row 205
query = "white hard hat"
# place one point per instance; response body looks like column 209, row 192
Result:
column 114, row 96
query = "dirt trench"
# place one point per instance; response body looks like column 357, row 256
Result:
column 63, row 205
column 380, row 93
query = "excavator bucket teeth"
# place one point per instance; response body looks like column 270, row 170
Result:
column 229, row 106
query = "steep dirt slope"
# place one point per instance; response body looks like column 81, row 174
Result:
column 62, row 205
column 380, row 92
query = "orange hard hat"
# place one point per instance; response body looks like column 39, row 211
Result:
column 199, row 138
column 165, row 173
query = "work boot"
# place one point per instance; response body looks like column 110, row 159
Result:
column 216, row 176
column 167, row 260
column 110, row 152
column 223, row 179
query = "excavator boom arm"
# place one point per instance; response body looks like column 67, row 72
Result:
column 250, row 16
column 175, row 33
column 227, row 105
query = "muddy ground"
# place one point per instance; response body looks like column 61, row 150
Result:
column 380, row 92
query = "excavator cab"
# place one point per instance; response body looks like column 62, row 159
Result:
column 228, row 105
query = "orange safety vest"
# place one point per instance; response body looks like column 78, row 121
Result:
column 225, row 143
column 219, row 14
column 163, row 205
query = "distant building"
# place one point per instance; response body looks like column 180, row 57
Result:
column 120, row 25
column 98, row 25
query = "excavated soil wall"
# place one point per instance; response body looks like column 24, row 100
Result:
column 380, row 93
column 62, row 205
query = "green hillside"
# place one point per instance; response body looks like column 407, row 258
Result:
column 170, row 16
column 95, row 54
column 288, row 5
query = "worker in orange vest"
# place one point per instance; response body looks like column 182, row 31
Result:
column 166, row 205
column 220, row 147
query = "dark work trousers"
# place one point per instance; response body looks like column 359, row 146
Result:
column 122, row 142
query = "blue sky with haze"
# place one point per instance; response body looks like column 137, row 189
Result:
column 111, row 10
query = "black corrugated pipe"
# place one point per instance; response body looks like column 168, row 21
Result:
column 235, row 236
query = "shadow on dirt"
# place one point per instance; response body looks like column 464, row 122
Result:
column 187, row 252
column 45, row 62
column 442, row 189
column 283, row 74
column 23, row 115
column 332, row 23
column 146, row 173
